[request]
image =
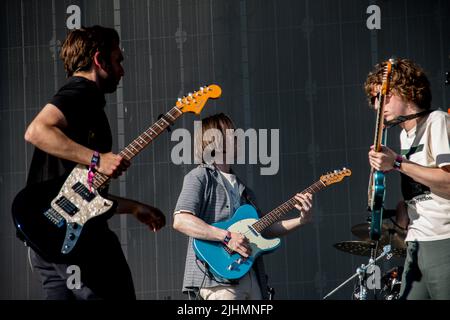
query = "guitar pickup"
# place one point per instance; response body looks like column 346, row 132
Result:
column 67, row 206
column 81, row 189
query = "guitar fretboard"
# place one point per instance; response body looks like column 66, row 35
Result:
column 275, row 215
column 138, row 144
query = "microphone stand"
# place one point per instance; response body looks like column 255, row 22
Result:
column 361, row 273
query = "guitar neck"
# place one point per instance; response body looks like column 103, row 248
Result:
column 380, row 138
column 142, row 141
column 379, row 126
column 277, row 213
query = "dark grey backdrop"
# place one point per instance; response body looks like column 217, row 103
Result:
column 294, row 65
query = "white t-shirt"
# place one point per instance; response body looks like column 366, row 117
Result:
column 232, row 186
column 428, row 144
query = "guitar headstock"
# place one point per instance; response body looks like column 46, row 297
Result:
column 194, row 102
column 387, row 74
column 336, row 176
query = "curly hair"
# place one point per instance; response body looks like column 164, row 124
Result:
column 80, row 46
column 408, row 82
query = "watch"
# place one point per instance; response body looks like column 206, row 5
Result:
column 398, row 162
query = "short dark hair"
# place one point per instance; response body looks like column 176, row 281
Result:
column 409, row 81
column 80, row 46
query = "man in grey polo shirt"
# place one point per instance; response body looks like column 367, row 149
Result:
column 211, row 193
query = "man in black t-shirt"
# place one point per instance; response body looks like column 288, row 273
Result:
column 68, row 131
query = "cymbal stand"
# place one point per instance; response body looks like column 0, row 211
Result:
column 361, row 273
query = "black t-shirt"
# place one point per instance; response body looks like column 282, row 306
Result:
column 82, row 104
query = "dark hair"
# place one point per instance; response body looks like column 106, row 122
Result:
column 80, row 46
column 409, row 81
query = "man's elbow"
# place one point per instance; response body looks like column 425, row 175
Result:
column 31, row 135
column 177, row 223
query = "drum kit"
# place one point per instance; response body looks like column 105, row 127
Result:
column 391, row 243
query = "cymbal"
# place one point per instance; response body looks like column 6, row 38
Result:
column 364, row 248
column 390, row 234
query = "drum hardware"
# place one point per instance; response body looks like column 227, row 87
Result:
column 391, row 243
column 361, row 273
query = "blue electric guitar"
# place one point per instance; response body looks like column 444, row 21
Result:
column 227, row 264
column 377, row 187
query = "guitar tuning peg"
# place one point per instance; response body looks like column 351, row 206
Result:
column 201, row 89
column 190, row 94
column 179, row 99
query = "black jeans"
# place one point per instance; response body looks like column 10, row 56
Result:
column 104, row 274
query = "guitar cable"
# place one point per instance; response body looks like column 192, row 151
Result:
column 197, row 294
column 29, row 259
column 208, row 274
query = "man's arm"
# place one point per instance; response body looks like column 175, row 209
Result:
column 195, row 227
column 151, row 216
column 45, row 132
column 283, row 227
column 437, row 179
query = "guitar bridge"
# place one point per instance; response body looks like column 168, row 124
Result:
column 53, row 215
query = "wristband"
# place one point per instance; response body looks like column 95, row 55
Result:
column 94, row 161
column 227, row 238
column 398, row 162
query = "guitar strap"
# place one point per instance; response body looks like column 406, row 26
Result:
column 400, row 119
column 249, row 199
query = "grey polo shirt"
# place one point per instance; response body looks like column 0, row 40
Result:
column 204, row 195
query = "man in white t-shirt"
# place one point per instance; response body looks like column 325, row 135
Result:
column 424, row 165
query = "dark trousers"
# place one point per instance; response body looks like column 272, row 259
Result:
column 426, row 273
column 104, row 274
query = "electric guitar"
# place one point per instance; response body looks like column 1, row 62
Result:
column 227, row 264
column 377, row 188
column 50, row 216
